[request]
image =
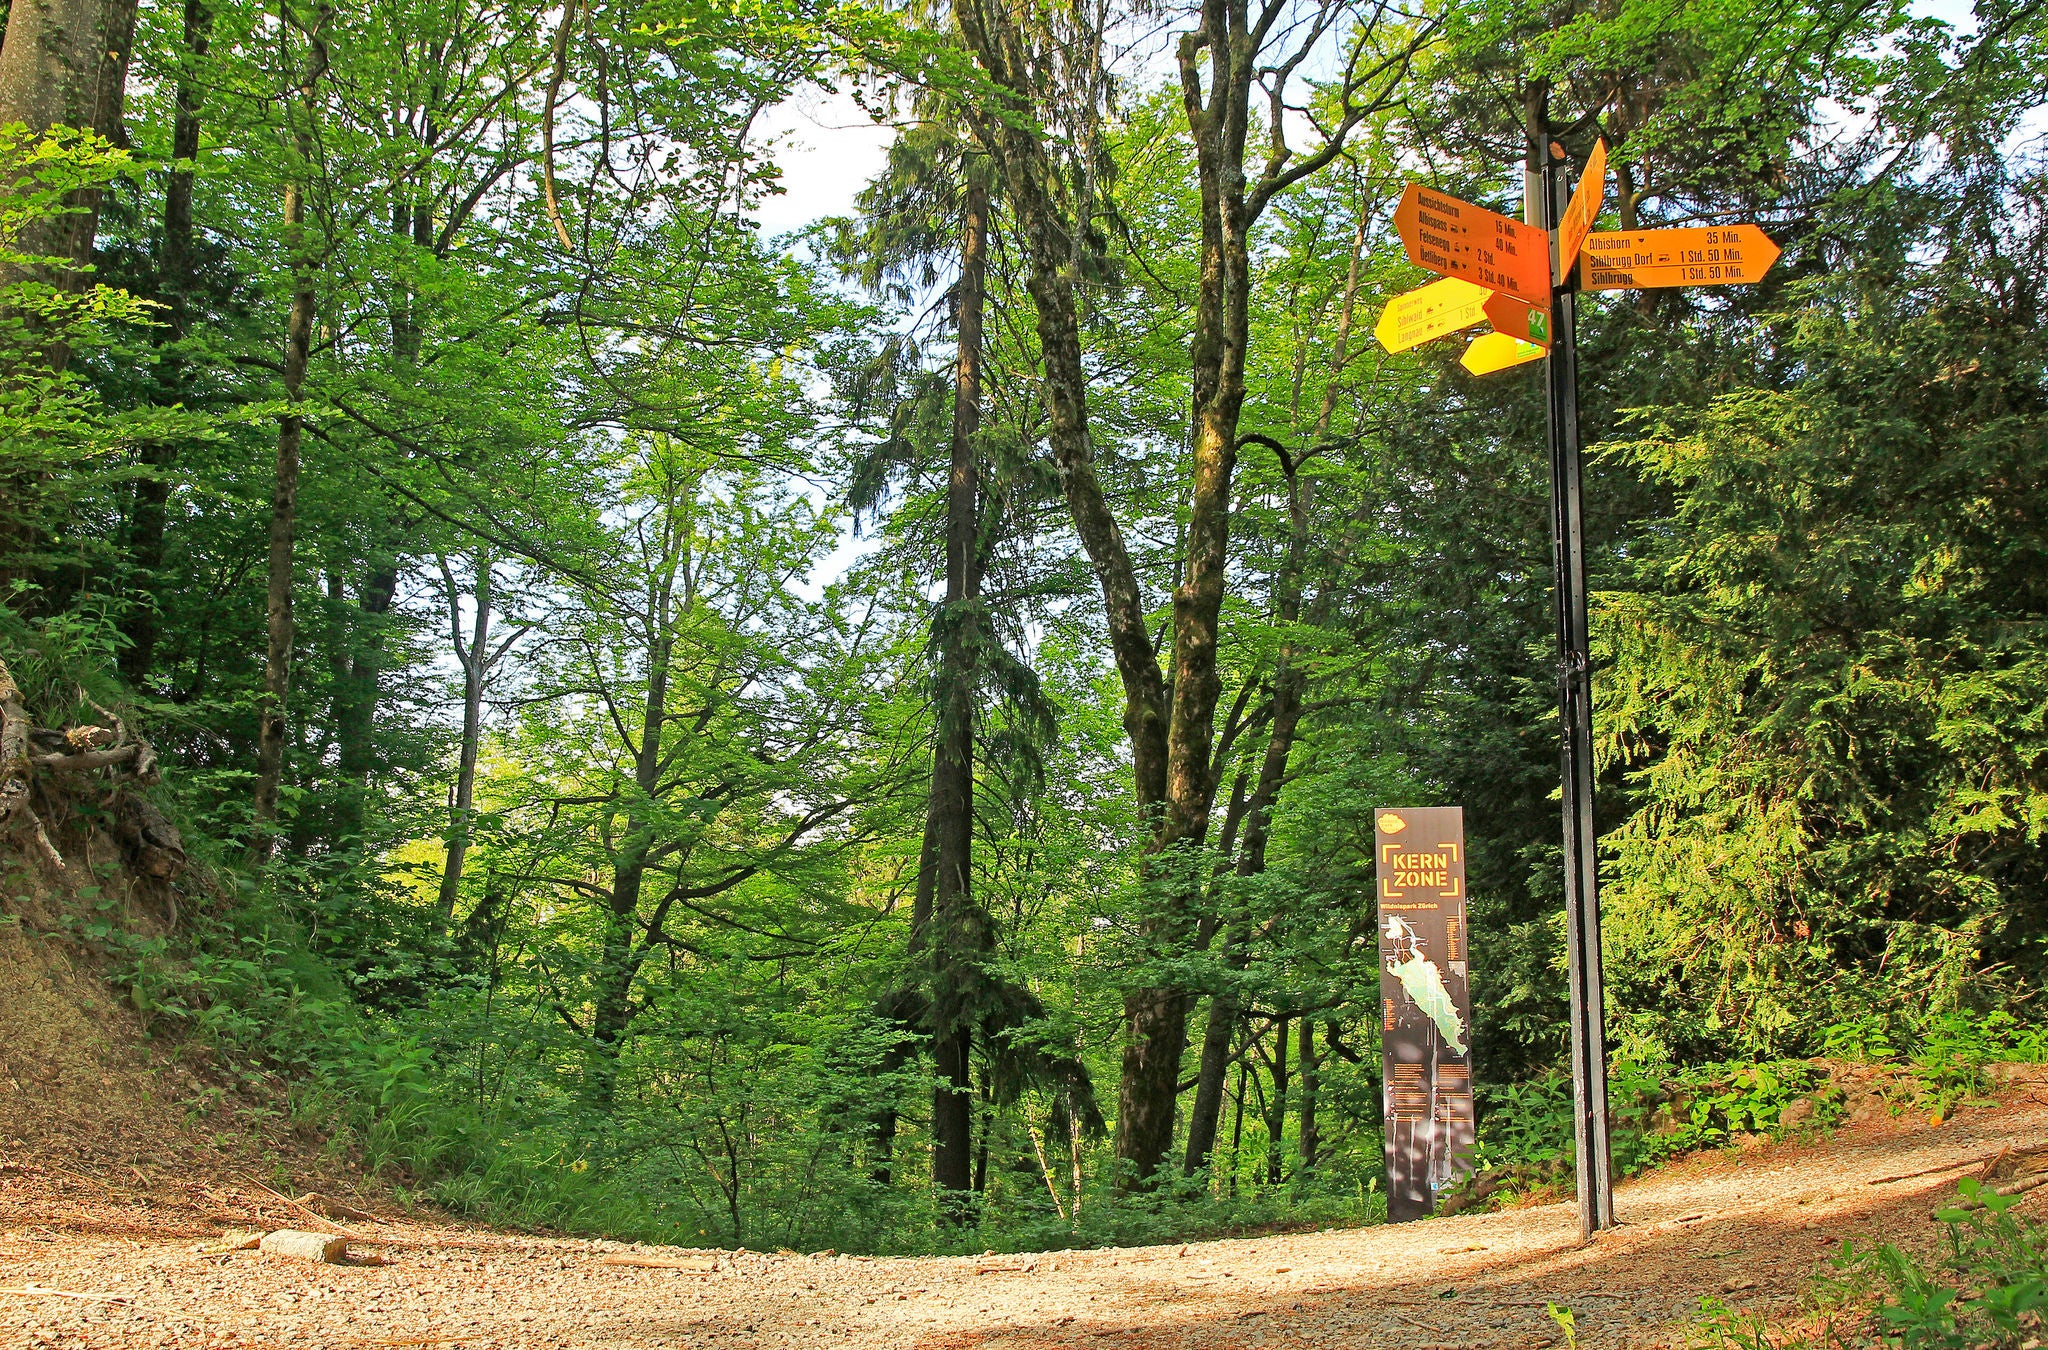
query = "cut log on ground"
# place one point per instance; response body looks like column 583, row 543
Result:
column 692, row 1265
column 322, row 1247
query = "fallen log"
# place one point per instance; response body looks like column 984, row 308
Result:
column 89, row 759
column 321, row 1247
column 689, row 1265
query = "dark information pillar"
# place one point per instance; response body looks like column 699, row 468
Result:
column 1575, row 703
column 1425, row 1004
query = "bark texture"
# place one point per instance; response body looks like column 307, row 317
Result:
column 64, row 63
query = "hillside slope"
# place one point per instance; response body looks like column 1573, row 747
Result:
column 84, row 1090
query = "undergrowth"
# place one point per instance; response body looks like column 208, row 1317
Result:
column 1986, row 1289
column 482, row 1127
column 1658, row 1112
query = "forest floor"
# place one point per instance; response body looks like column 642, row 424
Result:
column 1750, row 1226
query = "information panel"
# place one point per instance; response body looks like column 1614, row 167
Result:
column 1425, row 1003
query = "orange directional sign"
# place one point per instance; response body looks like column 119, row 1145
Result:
column 1721, row 255
column 1519, row 319
column 1497, row 351
column 1584, row 208
column 1430, row 312
column 1459, row 239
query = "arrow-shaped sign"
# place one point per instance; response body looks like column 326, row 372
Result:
column 1519, row 319
column 1430, row 312
column 1459, row 239
column 1719, row 255
column 1497, row 351
column 1583, row 210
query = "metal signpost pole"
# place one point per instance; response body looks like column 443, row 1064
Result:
column 1522, row 278
column 1550, row 175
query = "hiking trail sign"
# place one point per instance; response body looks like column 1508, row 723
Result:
column 1432, row 311
column 1720, row 255
column 1523, row 278
column 1470, row 242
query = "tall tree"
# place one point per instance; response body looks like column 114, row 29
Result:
column 952, row 933
column 1170, row 714
column 304, row 251
column 478, row 656
column 179, row 284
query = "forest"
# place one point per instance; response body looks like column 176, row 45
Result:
column 866, row 736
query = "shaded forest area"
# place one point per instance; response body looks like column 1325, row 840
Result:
column 867, row 737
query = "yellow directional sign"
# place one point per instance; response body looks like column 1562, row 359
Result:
column 1583, row 210
column 1720, row 255
column 1459, row 239
column 1430, row 312
column 1519, row 319
column 1497, row 351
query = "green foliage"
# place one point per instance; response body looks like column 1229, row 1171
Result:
column 1654, row 1113
column 1567, row 1324
column 596, row 441
column 1987, row 1289
column 1825, row 679
column 1994, row 1290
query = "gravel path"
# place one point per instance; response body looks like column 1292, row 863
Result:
column 1750, row 1226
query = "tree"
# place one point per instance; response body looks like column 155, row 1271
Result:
column 1171, row 720
column 64, row 63
column 479, row 655
column 303, row 248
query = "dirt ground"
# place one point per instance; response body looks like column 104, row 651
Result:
column 1749, row 1226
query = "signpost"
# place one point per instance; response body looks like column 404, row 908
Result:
column 1459, row 239
column 1575, row 703
column 1578, row 218
column 1425, row 1004
column 1534, row 271
column 1497, row 351
column 1722, row 255
column 1519, row 319
column 1430, row 311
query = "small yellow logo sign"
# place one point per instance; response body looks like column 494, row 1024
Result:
column 1391, row 823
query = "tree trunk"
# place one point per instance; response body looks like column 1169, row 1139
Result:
column 1211, row 1079
column 955, row 940
column 1237, row 1122
column 953, row 1125
column 1289, row 685
column 65, row 64
column 284, row 499
column 178, row 281
column 1311, row 1084
column 1276, row 1105
column 1214, row 1073
column 472, row 659
column 1155, row 1019
column 619, row 960
column 356, row 689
